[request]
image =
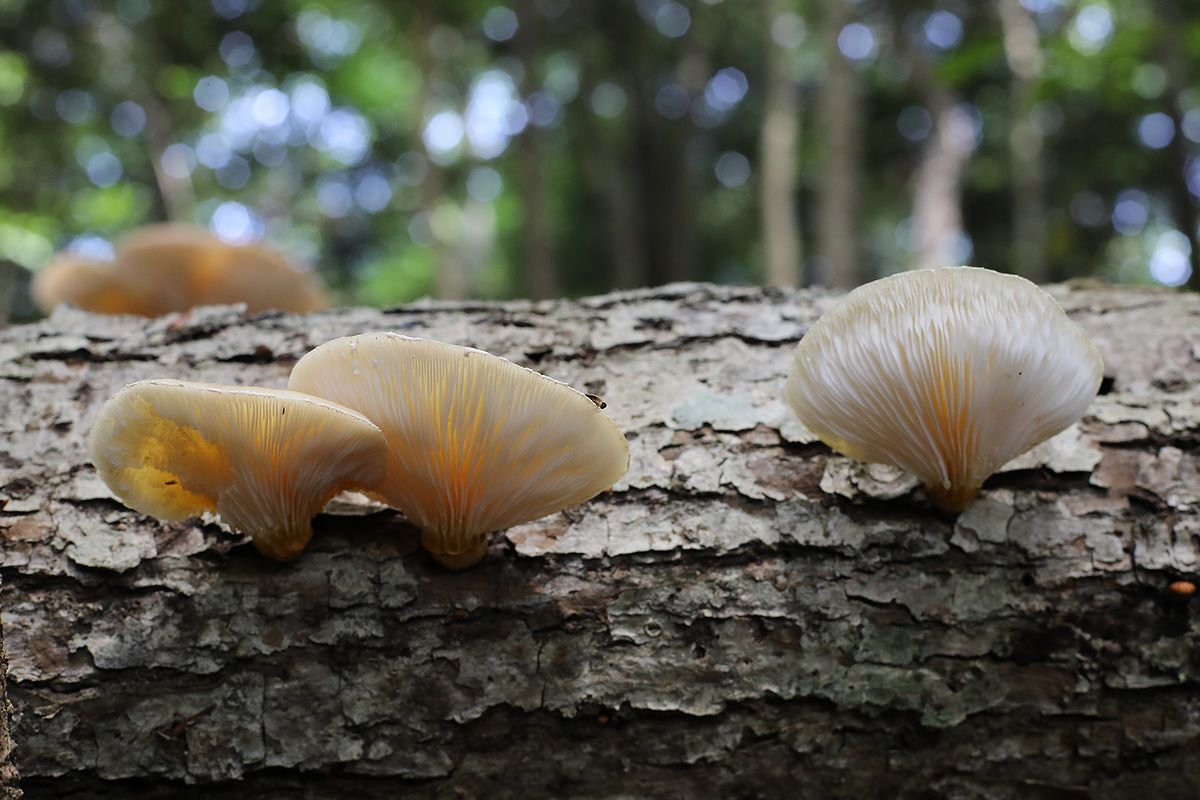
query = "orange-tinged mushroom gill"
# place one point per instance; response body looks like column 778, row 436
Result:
column 475, row 443
column 266, row 460
column 948, row 373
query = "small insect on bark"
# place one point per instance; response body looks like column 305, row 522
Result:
column 1182, row 589
column 179, row 728
column 595, row 398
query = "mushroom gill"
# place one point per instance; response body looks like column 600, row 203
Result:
column 948, row 373
column 266, row 460
column 475, row 443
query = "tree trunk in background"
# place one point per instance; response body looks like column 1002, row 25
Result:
column 613, row 167
column 937, row 187
column 678, row 220
column 11, row 274
column 779, row 143
column 745, row 614
column 176, row 194
column 1186, row 208
column 541, row 273
column 451, row 281
column 839, row 132
column 1023, row 52
column 607, row 166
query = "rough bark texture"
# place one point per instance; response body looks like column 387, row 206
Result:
column 8, row 771
column 745, row 614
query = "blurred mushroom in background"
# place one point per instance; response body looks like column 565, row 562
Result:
column 158, row 269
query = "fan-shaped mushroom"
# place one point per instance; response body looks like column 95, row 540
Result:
column 83, row 282
column 185, row 266
column 266, row 460
column 475, row 442
column 948, row 373
column 170, row 267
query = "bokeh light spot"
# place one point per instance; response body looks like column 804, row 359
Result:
column 608, row 100
column 943, row 30
column 211, row 93
column 234, row 223
column 484, row 184
column 672, row 19
column 856, row 42
column 443, row 134
column 1131, row 212
column 104, row 169
column 732, row 169
column 914, row 123
column 1091, row 30
column 1155, row 130
column 499, row 23
column 127, row 119
column 1170, row 263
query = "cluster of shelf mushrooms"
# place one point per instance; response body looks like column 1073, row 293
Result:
column 947, row 373
column 462, row 441
column 157, row 269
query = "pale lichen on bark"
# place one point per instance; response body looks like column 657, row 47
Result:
column 745, row 613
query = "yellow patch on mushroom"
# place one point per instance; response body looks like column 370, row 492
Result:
column 266, row 460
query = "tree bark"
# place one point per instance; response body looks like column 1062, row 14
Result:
column 1022, row 49
column 779, row 141
column 839, row 131
column 744, row 614
column 8, row 771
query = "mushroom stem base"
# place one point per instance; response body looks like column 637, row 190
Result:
column 282, row 545
column 954, row 499
column 435, row 544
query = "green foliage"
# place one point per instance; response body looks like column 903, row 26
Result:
column 346, row 167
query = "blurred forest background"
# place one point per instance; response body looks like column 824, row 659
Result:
column 500, row 148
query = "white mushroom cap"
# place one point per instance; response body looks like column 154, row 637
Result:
column 476, row 443
column 948, row 373
column 266, row 460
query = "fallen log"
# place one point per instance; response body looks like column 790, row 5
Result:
column 745, row 614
